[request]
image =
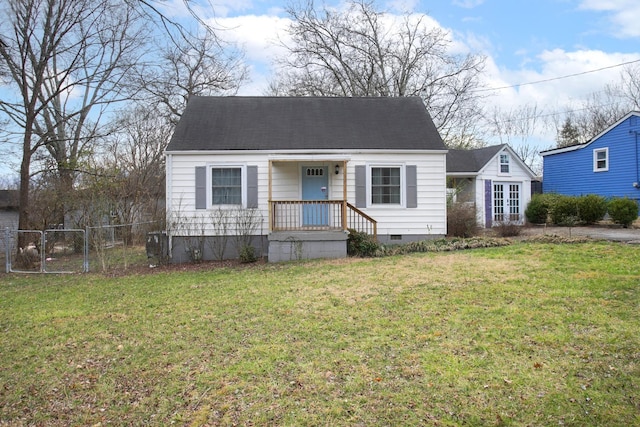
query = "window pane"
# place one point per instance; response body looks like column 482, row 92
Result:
column 504, row 163
column 226, row 186
column 385, row 185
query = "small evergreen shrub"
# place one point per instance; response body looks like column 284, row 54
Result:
column 247, row 254
column 564, row 210
column 462, row 220
column 537, row 211
column 591, row 208
column 623, row 211
column 361, row 244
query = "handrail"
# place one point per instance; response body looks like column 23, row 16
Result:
column 360, row 221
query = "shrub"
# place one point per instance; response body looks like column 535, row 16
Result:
column 507, row 228
column 623, row 211
column 591, row 208
column 361, row 244
column 247, row 254
column 462, row 220
column 564, row 210
column 537, row 211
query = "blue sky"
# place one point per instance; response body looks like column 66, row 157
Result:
column 523, row 40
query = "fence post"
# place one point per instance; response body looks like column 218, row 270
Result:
column 7, row 250
column 86, row 250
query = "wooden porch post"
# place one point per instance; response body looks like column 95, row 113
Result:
column 270, row 200
column 344, row 195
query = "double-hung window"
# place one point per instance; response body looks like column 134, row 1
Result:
column 601, row 160
column 504, row 164
column 226, row 186
column 219, row 185
column 386, row 186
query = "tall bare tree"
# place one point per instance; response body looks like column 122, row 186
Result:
column 362, row 51
column 202, row 64
column 67, row 61
column 69, row 64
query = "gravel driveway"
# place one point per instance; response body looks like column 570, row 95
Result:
column 604, row 232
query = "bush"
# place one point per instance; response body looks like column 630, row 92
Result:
column 507, row 228
column 462, row 220
column 361, row 244
column 564, row 210
column 247, row 254
column 591, row 208
column 537, row 211
column 623, row 211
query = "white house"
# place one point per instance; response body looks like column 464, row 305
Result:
column 296, row 173
column 494, row 179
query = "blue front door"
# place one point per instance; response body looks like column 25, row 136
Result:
column 315, row 186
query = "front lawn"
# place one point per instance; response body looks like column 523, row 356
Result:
column 528, row 334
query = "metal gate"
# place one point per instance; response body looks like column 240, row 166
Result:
column 49, row 251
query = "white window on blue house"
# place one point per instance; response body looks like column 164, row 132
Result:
column 601, row 160
column 504, row 164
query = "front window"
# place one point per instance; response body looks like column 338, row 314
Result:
column 385, row 185
column 601, row 160
column 226, row 186
column 504, row 163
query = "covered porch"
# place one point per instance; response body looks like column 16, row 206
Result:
column 309, row 215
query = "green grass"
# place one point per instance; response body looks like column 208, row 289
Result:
column 529, row 334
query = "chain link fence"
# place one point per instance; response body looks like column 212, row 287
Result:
column 104, row 248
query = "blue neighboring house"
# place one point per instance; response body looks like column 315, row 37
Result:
column 607, row 165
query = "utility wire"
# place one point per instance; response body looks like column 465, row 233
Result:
column 556, row 78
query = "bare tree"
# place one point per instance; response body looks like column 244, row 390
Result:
column 66, row 59
column 600, row 110
column 200, row 65
column 516, row 127
column 364, row 52
column 69, row 63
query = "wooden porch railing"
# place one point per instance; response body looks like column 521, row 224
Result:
column 360, row 221
column 311, row 215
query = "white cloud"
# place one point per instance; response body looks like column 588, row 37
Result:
column 467, row 4
column 403, row 5
column 623, row 14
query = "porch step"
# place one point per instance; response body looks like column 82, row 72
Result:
column 297, row 245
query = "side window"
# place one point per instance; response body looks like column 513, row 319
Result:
column 601, row 160
column 226, row 186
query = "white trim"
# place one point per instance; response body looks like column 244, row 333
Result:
column 168, row 176
column 403, row 178
column 577, row 147
column 595, row 159
column 243, row 181
column 499, row 157
column 291, row 154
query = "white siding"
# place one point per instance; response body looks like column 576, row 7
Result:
column 516, row 174
column 428, row 218
column 430, row 215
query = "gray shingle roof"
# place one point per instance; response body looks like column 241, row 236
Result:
column 304, row 123
column 459, row 161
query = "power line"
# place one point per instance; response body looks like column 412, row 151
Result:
column 556, row 78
